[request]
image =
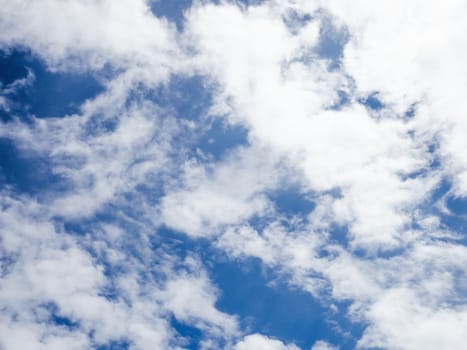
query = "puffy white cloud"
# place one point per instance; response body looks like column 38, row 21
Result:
column 261, row 342
column 400, row 321
column 222, row 193
column 322, row 345
column 420, row 61
column 34, row 336
column 285, row 100
column 190, row 296
column 88, row 34
column 48, row 273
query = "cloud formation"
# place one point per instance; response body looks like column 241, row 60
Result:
column 355, row 109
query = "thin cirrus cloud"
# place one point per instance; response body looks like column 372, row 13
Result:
column 237, row 174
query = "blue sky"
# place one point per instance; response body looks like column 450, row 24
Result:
column 243, row 175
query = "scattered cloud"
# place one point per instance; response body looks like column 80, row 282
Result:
column 356, row 107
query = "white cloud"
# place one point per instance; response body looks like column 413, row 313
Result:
column 420, row 61
column 322, row 345
column 369, row 171
column 400, row 321
column 36, row 337
column 222, row 193
column 261, row 342
column 190, row 296
column 98, row 162
column 88, row 34
column 284, row 100
column 10, row 90
column 52, row 274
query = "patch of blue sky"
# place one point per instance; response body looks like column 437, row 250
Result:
column 372, row 102
column 247, row 2
column 440, row 191
column 100, row 124
column 292, row 201
column 459, row 296
column 450, row 209
column 412, row 110
column 178, row 243
column 295, row 20
column 332, row 40
column 190, row 98
column 58, row 319
column 220, row 137
column 190, row 336
column 187, row 97
column 26, row 173
column 51, row 94
column 267, row 305
column 12, row 66
column 174, row 10
column 343, row 100
column 263, row 302
column 345, row 331
column 339, row 234
column 457, row 205
column 456, row 223
column 108, row 216
column 7, row 262
column 171, row 10
column 330, row 47
column 63, row 321
column 115, row 345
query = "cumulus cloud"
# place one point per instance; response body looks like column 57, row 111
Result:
column 50, row 275
column 91, row 250
column 286, row 101
column 423, row 41
column 88, row 34
column 322, row 345
column 261, row 342
column 214, row 195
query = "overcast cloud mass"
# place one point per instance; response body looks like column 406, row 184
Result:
column 239, row 175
